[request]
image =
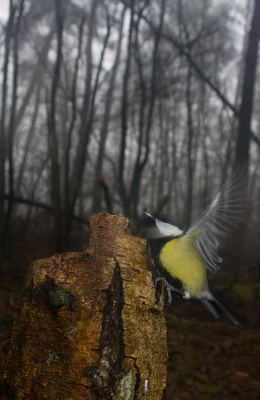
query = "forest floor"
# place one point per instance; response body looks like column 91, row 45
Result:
column 208, row 359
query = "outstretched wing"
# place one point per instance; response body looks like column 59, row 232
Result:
column 222, row 217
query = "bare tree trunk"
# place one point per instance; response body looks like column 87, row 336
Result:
column 141, row 161
column 244, row 127
column 11, row 129
column 164, row 162
column 121, row 166
column 34, row 186
column 201, row 74
column 36, row 77
column 28, row 143
column 8, row 36
column 189, row 150
column 85, row 123
column 96, row 205
column 53, row 138
column 66, row 189
column 90, row 325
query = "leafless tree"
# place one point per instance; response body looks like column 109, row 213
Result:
column 245, row 113
column 8, row 36
column 106, row 119
column 16, row 12
column 142, row 110
column 52, row 130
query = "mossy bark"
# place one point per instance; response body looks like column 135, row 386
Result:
column 89, row 325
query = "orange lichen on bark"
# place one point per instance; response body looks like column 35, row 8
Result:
column 89, row 326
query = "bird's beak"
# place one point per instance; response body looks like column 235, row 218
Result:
column 149, row 215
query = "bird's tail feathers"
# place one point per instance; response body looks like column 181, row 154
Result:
column 220, row 311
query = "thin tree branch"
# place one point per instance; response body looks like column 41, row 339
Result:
column 38, row 204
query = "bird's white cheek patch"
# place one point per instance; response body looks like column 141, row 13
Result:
column 168, row 229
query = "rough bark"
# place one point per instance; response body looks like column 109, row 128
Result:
column 89, row 326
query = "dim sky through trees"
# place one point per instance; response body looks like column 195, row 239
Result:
column 121, row 106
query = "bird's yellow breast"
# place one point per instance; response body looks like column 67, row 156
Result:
column 182, row 260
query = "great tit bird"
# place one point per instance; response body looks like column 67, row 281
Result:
column 182, row 256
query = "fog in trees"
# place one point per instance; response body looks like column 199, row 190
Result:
column 123, row 107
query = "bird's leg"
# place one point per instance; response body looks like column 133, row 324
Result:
column 169, row 288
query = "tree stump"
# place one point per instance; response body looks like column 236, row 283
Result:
column 89, row 326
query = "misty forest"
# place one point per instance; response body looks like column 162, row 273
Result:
column 122, row 107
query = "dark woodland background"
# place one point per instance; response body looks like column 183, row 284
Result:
column 131, row 106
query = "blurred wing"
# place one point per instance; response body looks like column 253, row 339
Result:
column 222, row 217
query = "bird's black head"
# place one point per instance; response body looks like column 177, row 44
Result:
column 162, row 225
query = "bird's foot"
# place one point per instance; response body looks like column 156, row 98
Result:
column 169, row 289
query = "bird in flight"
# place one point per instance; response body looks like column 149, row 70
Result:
column 182, row 256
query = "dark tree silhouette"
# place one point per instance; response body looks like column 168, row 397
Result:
column 246, row 108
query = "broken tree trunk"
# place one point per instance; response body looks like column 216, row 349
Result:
column 89, row 326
